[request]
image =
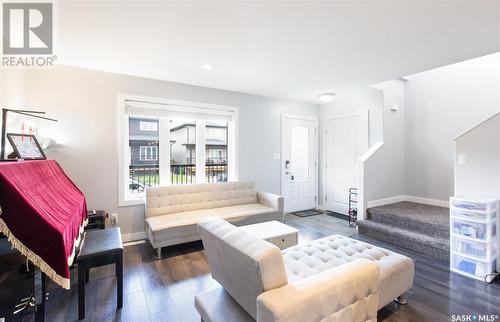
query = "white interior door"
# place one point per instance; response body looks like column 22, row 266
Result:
column 299, row 163
column 346, row 139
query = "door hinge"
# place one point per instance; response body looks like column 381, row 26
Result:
column 315, row 198
column 326, row 198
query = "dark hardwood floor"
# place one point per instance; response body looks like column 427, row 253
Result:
column 163, row 290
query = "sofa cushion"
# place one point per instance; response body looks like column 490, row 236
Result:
column 396, row 271
column 184, row 223
column 243, row 264
column 174, row 199
column 218, row 306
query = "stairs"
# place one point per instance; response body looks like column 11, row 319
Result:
column 419, row 227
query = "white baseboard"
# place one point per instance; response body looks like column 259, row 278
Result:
column 385, row 201
column 425, row 201
column 134, row 236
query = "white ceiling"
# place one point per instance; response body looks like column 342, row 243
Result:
column 291, row 50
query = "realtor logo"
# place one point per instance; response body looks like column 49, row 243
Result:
column 27, row 29
column 28, row 34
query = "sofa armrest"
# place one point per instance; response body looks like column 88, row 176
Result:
column 271, row 200
column 348, row 292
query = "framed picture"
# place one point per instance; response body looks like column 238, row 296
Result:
column 26, row 146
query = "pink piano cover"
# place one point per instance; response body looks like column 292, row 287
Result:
column 42, row 214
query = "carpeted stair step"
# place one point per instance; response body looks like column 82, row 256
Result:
column 436, row 247
column 414, row 217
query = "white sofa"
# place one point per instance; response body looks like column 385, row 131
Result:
column 335, row 278
column 173, row 212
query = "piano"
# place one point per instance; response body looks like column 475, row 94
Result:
column 42, row 214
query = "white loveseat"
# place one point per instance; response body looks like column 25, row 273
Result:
column 173, row 212
column 335, row 278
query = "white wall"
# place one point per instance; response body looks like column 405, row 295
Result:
column 12, row 94
column 480, row 176
column 440, row 104
column 85, row 103
column 384, row 171
column 12, row 89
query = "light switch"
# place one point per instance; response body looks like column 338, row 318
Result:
column 462, row 159
column 277, row 156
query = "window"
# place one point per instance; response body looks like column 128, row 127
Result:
column 299, row 154
column 143, row 167
column 216, row 151
column 165, row 142
column 148, row 153
column 182, row 151
column 148, row 126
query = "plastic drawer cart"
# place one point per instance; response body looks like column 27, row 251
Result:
column 473, row 236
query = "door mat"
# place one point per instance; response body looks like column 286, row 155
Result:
column 337, row 215
column 307, row 213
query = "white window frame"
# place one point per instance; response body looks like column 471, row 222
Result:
column 164, row 127
column 150, row 153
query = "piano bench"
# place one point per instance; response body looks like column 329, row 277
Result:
column 98, row 248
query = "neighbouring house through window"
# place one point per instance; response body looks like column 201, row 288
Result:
column 163, row 143
column 148, row 126
column 216, row 137
column 182, row 151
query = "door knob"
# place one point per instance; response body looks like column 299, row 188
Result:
column 287, row 166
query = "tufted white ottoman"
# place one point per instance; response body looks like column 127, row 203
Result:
column 396, row 271
column 335, row 279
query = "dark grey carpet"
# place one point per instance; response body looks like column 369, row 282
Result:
column 419, row 227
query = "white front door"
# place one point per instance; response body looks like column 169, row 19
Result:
column 346, row 139
column 299, row 171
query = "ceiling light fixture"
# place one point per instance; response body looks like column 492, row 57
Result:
column 326, row 97
column 206, row 66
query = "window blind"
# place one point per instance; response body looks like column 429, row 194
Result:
column 177, row 111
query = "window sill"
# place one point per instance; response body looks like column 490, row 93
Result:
column 132, row 202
